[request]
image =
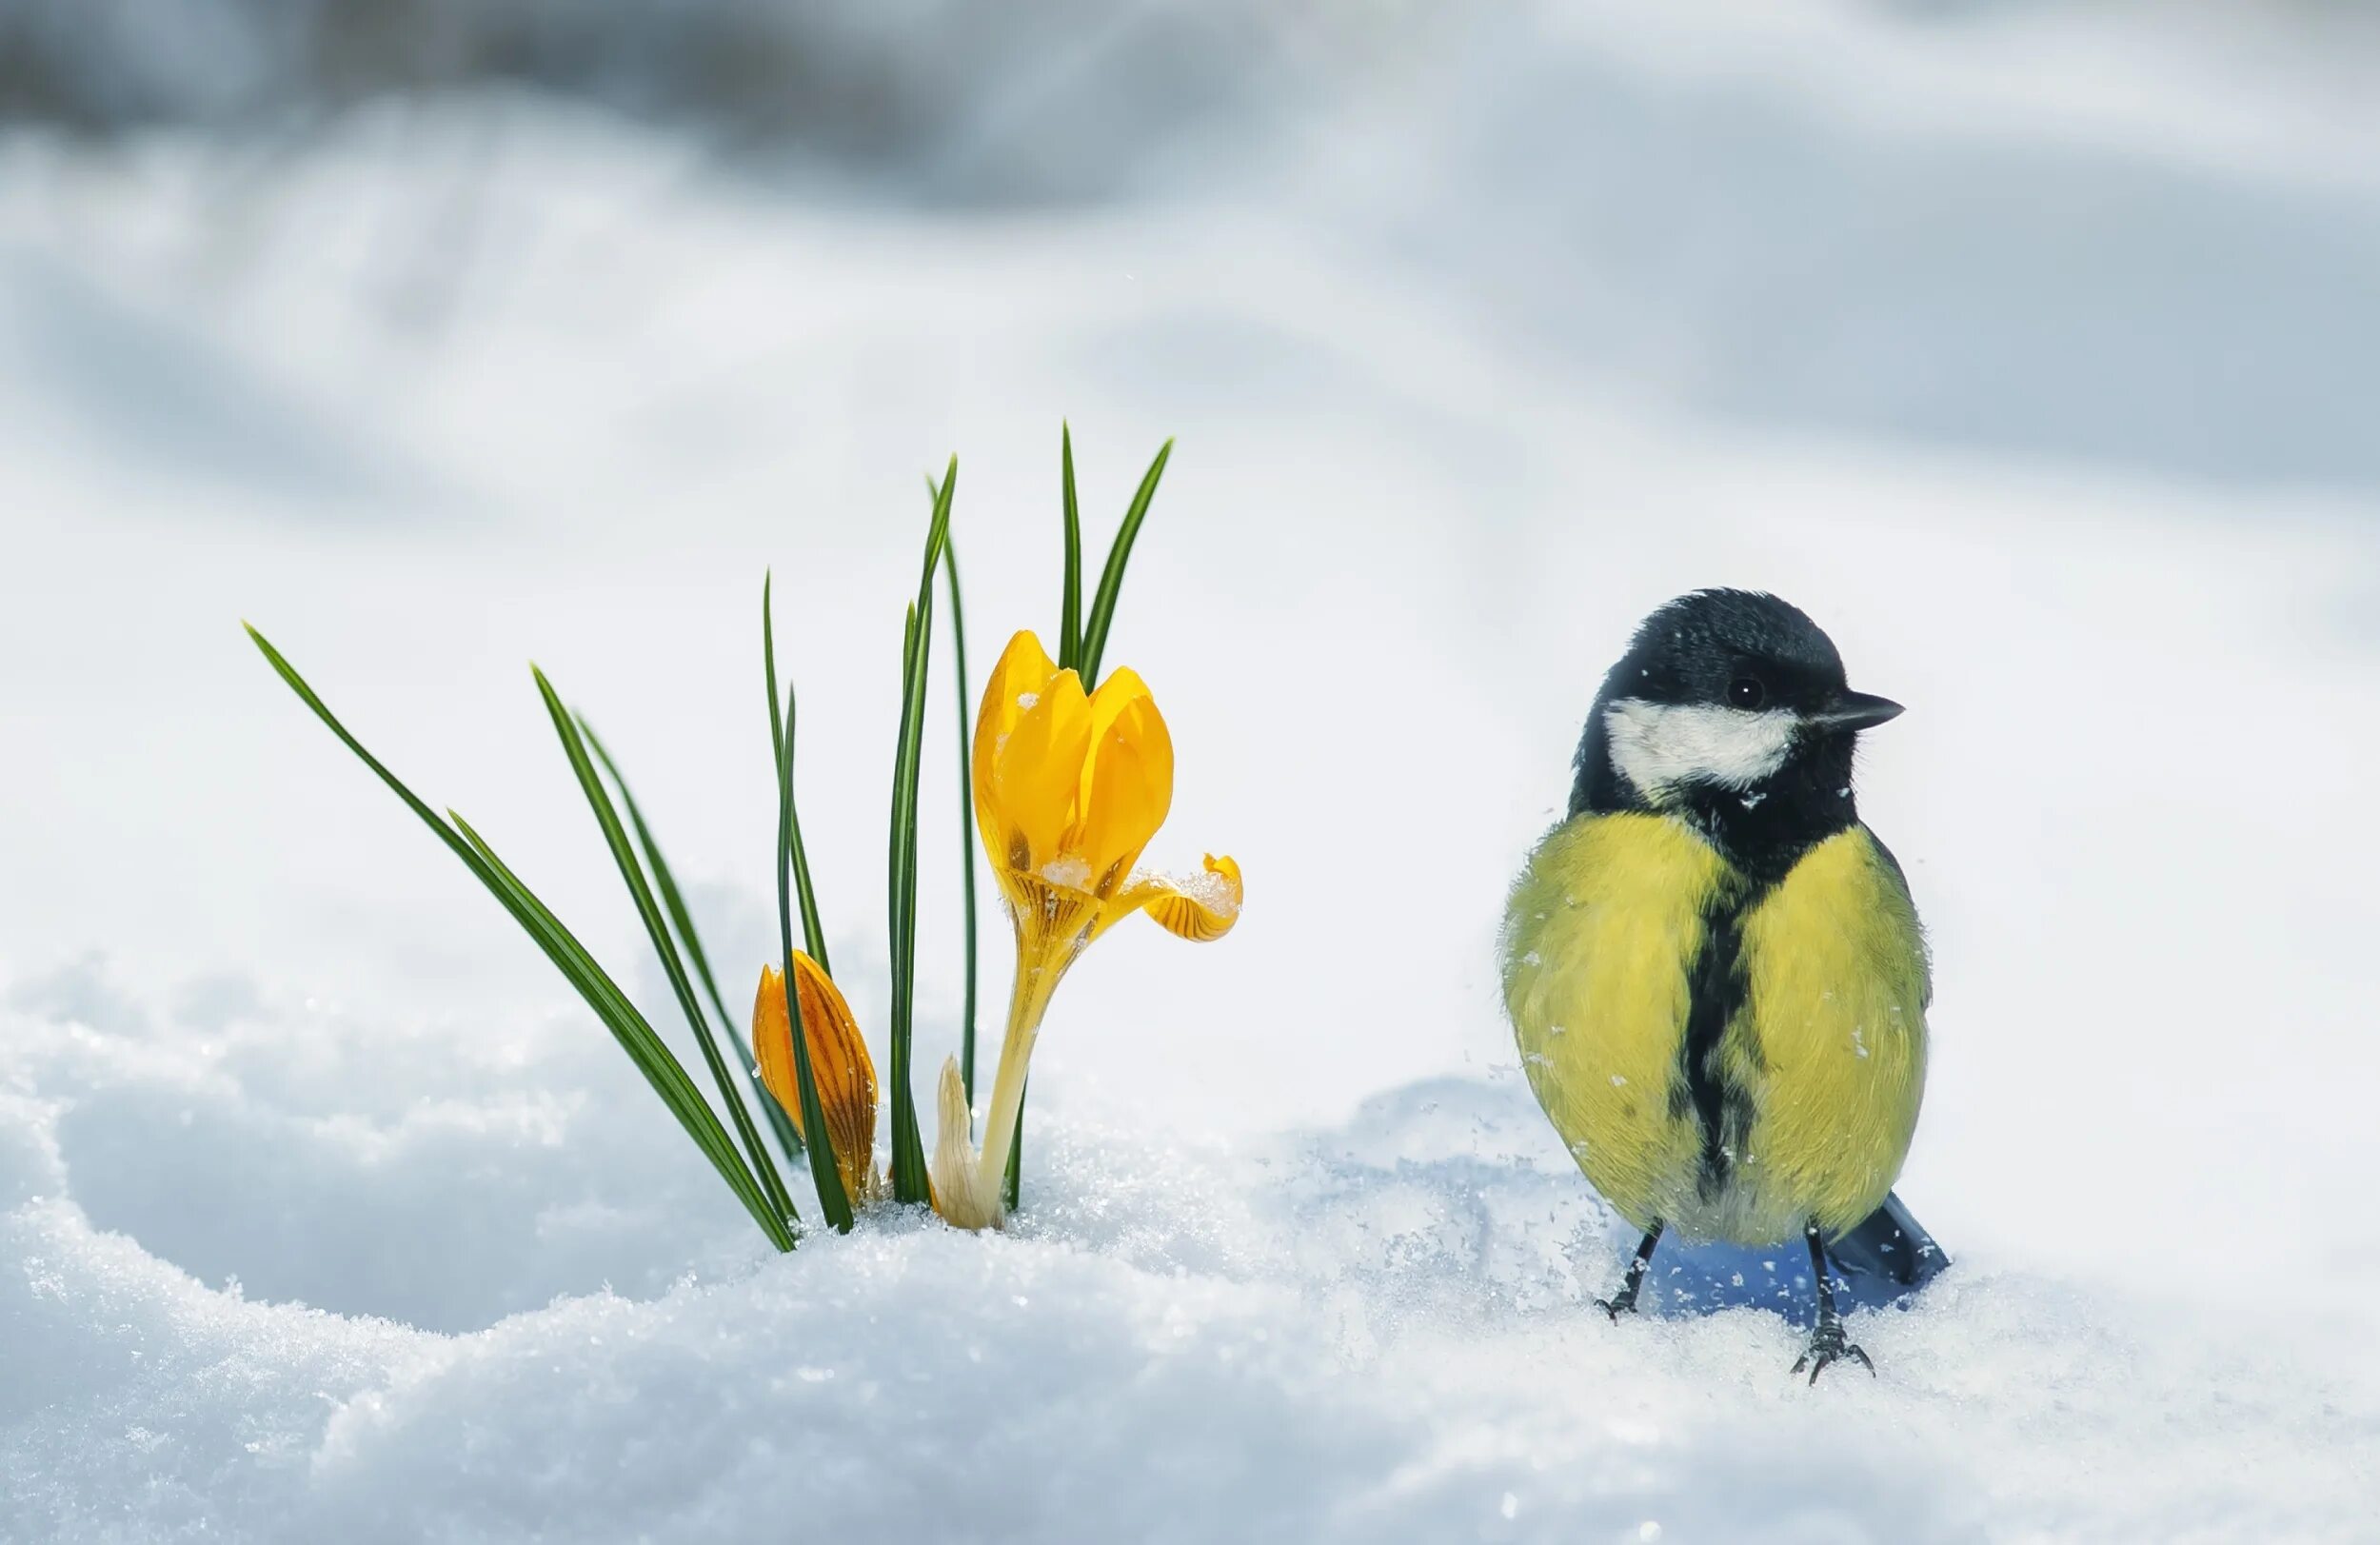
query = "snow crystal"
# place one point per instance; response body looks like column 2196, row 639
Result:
column 1070, row 871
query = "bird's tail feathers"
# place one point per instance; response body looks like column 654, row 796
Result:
column 1889, row 1244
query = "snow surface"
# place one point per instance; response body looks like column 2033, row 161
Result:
column 2033, row 355
column 1375, row 1331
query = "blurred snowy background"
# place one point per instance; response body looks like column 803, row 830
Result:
column 2035, row 349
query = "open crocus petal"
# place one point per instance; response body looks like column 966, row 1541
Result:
column 1017, row 683
column 1129, row 784
column 959, row 1194
column 1200, row 909
column 1038, row 774
column 840, row 1066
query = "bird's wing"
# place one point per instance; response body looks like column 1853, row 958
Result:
column 1901, row 876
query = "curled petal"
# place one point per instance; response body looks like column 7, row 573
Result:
column 1199, row 910
column 840, row 1066
column 1128, row 782
column 1017, row 683
column 959, row 1194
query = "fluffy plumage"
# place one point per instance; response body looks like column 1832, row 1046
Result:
column 1818, row 1067
column 1714, row 970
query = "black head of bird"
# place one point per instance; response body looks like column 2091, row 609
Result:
column 1729, row 709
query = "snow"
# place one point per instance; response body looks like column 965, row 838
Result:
column 1370, row 1331
column 2032, row 355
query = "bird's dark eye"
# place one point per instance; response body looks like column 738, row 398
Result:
column 1747, row 692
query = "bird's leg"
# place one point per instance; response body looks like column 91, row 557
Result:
column 1827, row 1342
column 1624, row 1301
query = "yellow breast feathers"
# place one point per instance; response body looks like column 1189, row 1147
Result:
column 1598, row 937
column 1837, row 986
column 1723, row 1058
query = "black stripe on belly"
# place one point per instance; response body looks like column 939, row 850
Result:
column 1718, row 983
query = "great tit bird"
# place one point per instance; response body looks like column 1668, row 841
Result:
column 1715, row 972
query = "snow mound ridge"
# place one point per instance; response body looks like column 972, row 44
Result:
column 1378, row 1332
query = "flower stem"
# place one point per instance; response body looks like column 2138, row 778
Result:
column 1027, row 1002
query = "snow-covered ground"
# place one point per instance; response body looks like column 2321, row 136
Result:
column 2034, row 354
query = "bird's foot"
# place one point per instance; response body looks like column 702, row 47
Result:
column 1622, row 1302
column 1827, row 1345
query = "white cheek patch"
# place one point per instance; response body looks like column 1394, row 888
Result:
column 1659, row 745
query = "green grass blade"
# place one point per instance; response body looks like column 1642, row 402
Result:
column 908, row 1154
column 472, row 852
column 645, row 1048
column 629, row 1026
column 657, row 930
column 1112, row 580
column 663, row 881
column 780, row 740
column 908, row 1147
column 768, row 662
column 1070, row 606
column 790, row 864
column 1012, row 1184
column 966, row 814
column 813, row 925
column 682, row 920
column 824, row 1175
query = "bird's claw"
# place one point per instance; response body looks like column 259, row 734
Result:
column 1827, row 1345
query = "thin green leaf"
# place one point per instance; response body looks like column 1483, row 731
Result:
column 652, row 1059
column 470, row 853
column 663, row 881
column 966, row 815
column 657, row 930
column 1112, row 581
column 681, row 922
column 832, row 1201
column 908, row 1150
column 781, row 732
column 1012, row 1184
column 768, row 662
column 613, row 1005
column 1070, row 606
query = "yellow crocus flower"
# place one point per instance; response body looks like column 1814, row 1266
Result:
column 840, row 1065
column 1069, row 788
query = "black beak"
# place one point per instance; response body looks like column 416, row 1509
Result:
column 1853, row 712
